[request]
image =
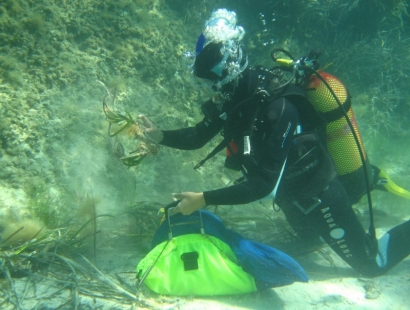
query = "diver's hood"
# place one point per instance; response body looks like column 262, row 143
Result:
column 219, row 55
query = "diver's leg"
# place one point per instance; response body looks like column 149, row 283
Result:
column 304, row 229
column 336, row 222
column 394, row 246
column 333, row 219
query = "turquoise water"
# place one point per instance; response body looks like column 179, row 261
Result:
column 57, row 161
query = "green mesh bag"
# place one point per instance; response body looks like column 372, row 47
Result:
column 194, row 264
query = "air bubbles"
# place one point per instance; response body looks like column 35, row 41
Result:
column 188, row 55
column 273, row 18
column 266, row 31
column 270, row 42
column 264, row 19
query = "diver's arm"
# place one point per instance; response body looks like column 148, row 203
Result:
column 192, row 137
column 151, row 130
column 196, row 137
column 186, row 138
column 237, row 194
column 253, row 189
column 188, row 202
column 263, row 173
column 245, row 192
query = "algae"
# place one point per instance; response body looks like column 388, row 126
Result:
column 35, row 23
column 54, row 141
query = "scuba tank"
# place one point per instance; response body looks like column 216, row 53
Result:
column 331, row 101
column 340, row 140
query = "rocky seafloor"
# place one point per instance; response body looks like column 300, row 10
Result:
column 58, row 166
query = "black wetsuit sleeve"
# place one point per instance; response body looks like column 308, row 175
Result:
column 252, row 189
column 271, row 145
column 192, row 138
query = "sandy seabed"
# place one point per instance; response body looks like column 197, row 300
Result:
column 54, row 147
column 329, row 287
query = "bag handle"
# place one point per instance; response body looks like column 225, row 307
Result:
column 169, row 208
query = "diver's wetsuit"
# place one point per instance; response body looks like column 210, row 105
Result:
column 335, row 221
column 270, row 127
column 322, row 211
column 270, row 144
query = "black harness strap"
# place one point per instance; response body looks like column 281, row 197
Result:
column 260, row 94
column 224, row 143
column 215, row 151
column 339, row 112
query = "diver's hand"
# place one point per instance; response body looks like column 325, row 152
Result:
column 152, row 131
column 190, row 202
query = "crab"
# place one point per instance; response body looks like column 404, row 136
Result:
column 124, row 123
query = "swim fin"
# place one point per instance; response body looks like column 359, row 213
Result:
column 383, row 182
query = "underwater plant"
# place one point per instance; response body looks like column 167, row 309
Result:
column 35, row 23
column 10, row 70
column 42, row 207
column 54, row 257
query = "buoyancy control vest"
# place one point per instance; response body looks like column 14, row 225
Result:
column 309, row 167
column 246, row 109
column 316, row 167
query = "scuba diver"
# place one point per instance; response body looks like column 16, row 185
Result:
column 296, row 141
